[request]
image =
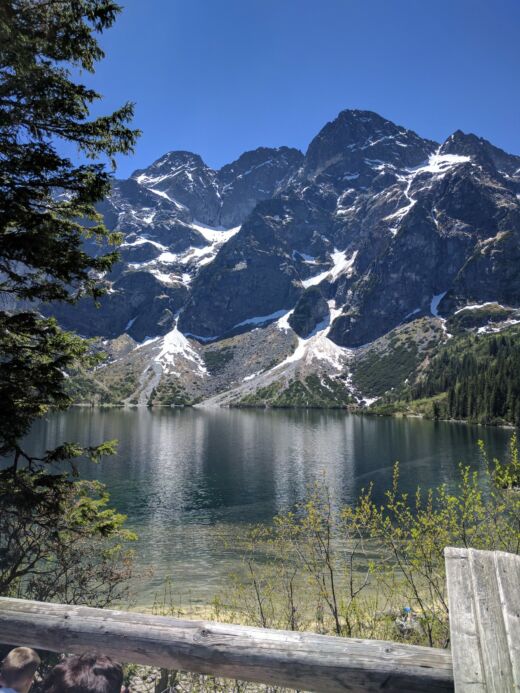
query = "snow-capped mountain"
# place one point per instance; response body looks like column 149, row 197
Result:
column 283, row 258
column 176, row 216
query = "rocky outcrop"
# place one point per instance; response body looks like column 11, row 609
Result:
column 138, row 304
column 311, row 312
column 253, row 177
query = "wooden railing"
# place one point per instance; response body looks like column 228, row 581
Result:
column 283, row 658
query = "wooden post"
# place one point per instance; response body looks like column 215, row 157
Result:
column 484, row 602
column 282, row 658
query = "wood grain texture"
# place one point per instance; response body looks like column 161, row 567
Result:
column 508, row 572
column 295, row 660
column 484, row 603
column 467, row 665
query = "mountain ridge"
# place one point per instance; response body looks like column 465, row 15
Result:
column 372, row 228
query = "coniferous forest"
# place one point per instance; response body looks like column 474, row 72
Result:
column 480, row 374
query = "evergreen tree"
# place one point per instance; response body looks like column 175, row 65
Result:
column 47, row 211
column 481, row 376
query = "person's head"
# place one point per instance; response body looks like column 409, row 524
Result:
column 88, row 673
column 18, row 669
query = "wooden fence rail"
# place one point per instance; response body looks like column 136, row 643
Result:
column 282, row 658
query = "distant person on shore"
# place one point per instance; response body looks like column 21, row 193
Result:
column 18, row 669
column 87, row 673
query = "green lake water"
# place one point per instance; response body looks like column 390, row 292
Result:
column 190, row 480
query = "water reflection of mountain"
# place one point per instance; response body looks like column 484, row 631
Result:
column 188, row 479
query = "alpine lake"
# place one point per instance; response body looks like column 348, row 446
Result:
column 191, row 481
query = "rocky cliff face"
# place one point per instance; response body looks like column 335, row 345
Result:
column 382, row 220
column 374, row 227
column 176, row 216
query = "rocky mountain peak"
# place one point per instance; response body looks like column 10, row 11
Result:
column 254, row 176
column 359, row 139
column 185, row 180
column 262, row 156
column 221, row 197
column 482, row 152
column 172, row 163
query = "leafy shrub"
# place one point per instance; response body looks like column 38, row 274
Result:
column 350, row 570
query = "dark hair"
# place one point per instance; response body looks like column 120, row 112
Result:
column 88, row 673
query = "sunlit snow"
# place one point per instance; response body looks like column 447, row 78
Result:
column 194, row 257
column 316, row 347
column 438, row 165
column 477, row 306
column 261, row 319
column 141, row 241
column 173, row 345
column 341, row 264
column 251, row 377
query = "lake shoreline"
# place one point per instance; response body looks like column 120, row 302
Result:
column 348, row 409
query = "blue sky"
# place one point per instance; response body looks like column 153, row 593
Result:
column 219, row 77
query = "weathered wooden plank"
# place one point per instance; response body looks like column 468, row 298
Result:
column 484, row 603
column 494, row 649
column 295, row 660
column 508, row 573
column 465, row 648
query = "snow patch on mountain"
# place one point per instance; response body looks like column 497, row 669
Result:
column 164, row 195
column 252, row 376
column 477, row 306
column 166, row 278
column 494, row 328
column 165, row 266
column 215, row 234
column 317, row 346
column 141, row 241
column 261, row 319
column 341, row 264
column 438, row 166
column 442, row 163
column 304, row 257
column 174, row 345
